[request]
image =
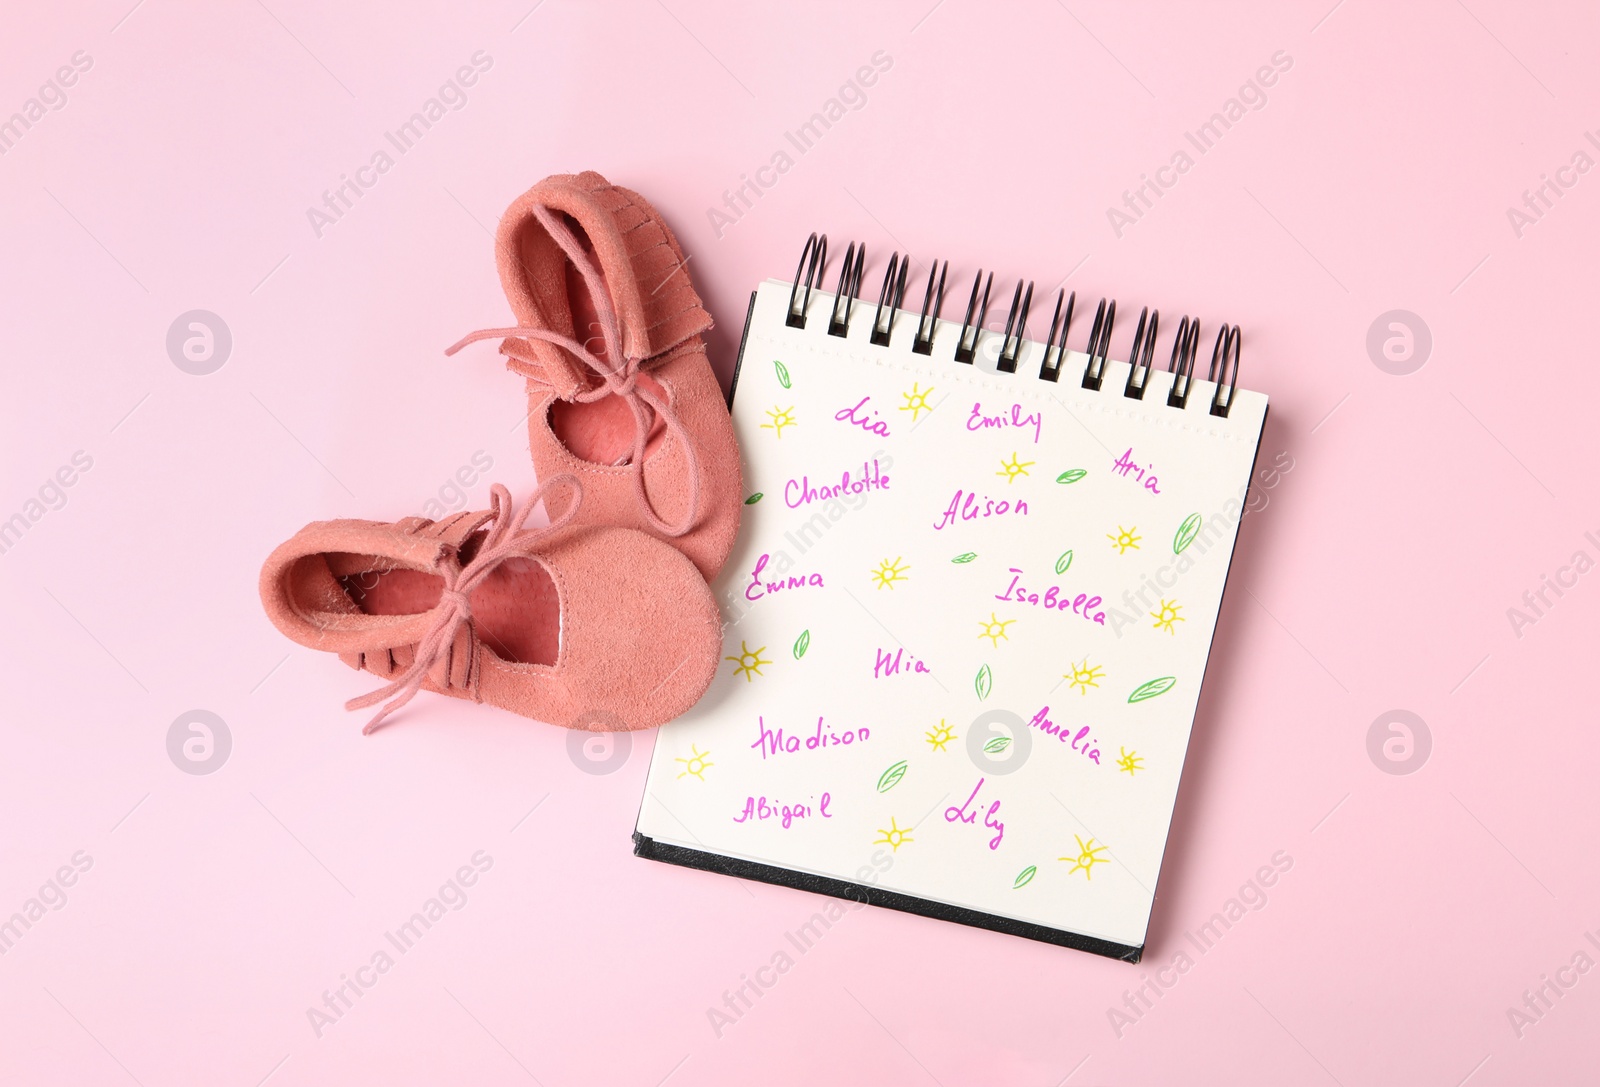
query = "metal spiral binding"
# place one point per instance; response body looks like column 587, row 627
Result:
column 1009, row 347
column 855, row 259
column 817, row 249
column 893, row 291
column 1181, row 365
column 1228, row 341
column 1147, row 344
column 1050, row 370
column 926, row 323
column 1225, row 352
column 965, row 348
column 1099, row 344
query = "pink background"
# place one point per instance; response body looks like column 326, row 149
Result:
column 219, row 907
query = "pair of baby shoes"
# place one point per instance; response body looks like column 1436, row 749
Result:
column 602, row 619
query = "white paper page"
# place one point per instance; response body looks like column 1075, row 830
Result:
column 861, row 619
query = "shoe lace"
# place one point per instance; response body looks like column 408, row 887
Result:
column 505, row 538
column 617, row 378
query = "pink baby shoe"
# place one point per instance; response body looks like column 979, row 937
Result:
column 620, row 392
column 596, row 628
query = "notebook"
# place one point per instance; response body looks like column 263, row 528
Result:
column 970, row 610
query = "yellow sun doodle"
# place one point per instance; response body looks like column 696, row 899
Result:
column 1084, row 676
column 938, row 737
column 889, row 572
column 748, row 664
column 1167, row 616
column 995, row 628
column 697, row 764
column 1125, row 538
column 895, row 836
column 1131, row 762
column 916, row 401
column 781, row 417
column 1088, row 856
column 1015, row 467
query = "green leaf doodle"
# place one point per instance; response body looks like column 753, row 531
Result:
column 802, row 643
column 1072, row 475
column 891, row 777
column 753, row 499
column 1064, row 561
column 997, row 745
column 984, row 683
column 1186, row 533
column 1153, row 688
column 965, row 556
column 783, row 373
column 1024, row 877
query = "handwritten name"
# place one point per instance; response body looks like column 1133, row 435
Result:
column 800, row 492
column 853, row 416
column 759, row 809
column 1082, row 604
column 889, row 664
column 971, row 508
column 757, row 588
column 991, row 818
column 1125, row 466
column 770, row 742
column 979, row 421
column 1090, row 747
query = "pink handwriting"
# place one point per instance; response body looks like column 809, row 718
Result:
column 1125, row 466
column 769, row 742
column 759, row 808
column 758, row 588
column 954, row 814
column 970, row 509
column 800, row 492
column 1053, row 598
column 853, row 416
column 1091, row 746
column 887, row 665
column 979, row 421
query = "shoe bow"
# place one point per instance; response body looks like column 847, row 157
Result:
column 617, row 378
column 505, row 537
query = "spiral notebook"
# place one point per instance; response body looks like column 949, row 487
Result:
column 969, row 612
